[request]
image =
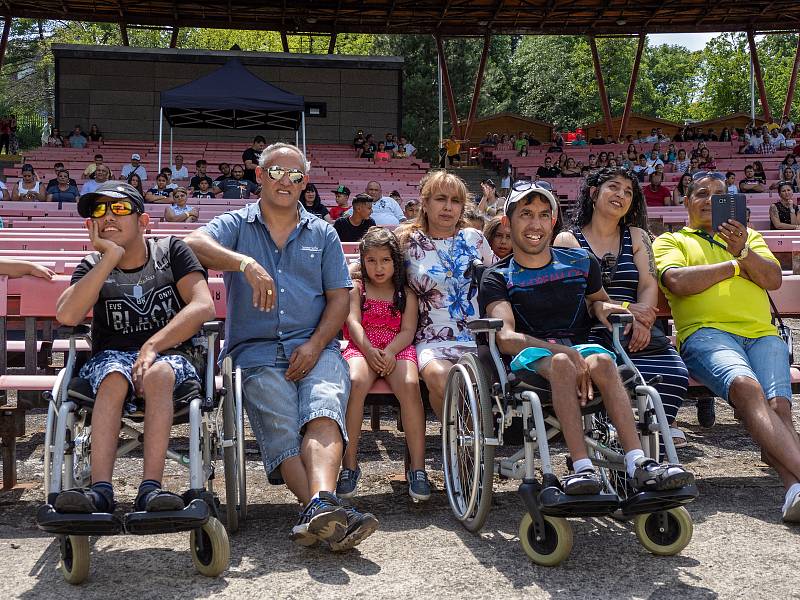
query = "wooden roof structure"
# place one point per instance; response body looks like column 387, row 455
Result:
column 440, row 17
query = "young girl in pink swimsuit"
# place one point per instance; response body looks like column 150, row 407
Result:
column 380, row 333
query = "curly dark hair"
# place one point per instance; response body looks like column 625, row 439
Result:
column 378, row 237
column 636, row 215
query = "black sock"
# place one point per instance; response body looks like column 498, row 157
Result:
column 103, row 495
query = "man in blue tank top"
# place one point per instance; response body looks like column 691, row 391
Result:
column 546, row 298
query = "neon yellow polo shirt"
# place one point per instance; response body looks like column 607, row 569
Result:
column 735, row 305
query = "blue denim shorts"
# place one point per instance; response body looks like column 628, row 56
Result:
column 279, row 409
column 716, row 358
column 102, row 364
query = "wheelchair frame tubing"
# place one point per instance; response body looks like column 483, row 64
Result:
column 661, row 415
column 196, row 479
column 532, row 404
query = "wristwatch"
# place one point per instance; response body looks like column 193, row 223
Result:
column 743, row 254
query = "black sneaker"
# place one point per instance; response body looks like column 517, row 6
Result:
column 419, row 488
column 348, row 482
column 651, row 476
column 82, row 501
column 158, row 500
column 323, row 519
column 705, row 412
column 359, row 527
column 584, row 483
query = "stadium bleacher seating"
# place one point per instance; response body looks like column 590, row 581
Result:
column 42, row 232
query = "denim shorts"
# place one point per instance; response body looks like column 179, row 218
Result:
column 279, row 409
column 102, row 364
column 716, row 358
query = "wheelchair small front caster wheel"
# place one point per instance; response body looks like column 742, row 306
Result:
column 214, row 555
column 74, row 563
column 553, row 548
column 665, row 533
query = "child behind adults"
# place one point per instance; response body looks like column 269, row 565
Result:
column 149, row 299
column 499, row 236
column 203, row 188
column 380, row 332
column 180, row 211
column 545, row 297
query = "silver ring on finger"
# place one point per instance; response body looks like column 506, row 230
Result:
column 739, row 233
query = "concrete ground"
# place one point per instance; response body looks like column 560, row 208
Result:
column 740, row 548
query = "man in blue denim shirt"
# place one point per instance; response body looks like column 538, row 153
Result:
column 288, row 296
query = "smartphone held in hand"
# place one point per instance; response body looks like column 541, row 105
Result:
column 728, row 206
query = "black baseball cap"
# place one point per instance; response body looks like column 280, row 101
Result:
column 342, row 189
column 118, row 190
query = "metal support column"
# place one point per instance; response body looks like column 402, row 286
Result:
column 160, row 135
column 762, row 92
column 473, row 107
column 448, row 88
column 173, row 42
column 787, row 107
column 123, row 31
column 601, row 86
column 285, row 42
column 332, row 43
column 626, row 113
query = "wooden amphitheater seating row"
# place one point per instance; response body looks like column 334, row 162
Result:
column 31, row 300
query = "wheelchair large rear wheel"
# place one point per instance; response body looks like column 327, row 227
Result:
column 664, row 536
column 215, row 555
column 233, row 458
column 74, row 563
column 468, row 461
column 553, row 548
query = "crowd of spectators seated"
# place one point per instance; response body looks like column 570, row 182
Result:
column 382, row 151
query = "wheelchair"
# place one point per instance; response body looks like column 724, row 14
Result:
column 485, row 402
column 215, row 417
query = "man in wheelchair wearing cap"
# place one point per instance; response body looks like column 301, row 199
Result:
column 149, row 299
column 546, row 298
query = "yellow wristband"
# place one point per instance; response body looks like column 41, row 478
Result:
column 626, row 304
column 736, row 268
column 246, row 261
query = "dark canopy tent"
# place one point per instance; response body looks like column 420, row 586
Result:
column 231, row 98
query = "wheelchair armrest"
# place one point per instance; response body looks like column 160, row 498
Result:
column 213, row 327
column 620, row 318
column 479, row 325
column 82, row 330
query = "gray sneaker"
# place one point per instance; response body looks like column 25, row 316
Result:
column 359, row 527
column 348, row 481
column 419, row 488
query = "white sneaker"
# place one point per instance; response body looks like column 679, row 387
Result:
column 791, row 508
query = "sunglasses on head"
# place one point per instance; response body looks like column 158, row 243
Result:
column 276, row 173
column 608, row 267
column 710, row 174
column 524, row 185
column 120, row 208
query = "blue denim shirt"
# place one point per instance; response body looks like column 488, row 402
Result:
column 311, row 262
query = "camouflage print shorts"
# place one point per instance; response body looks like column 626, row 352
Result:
column 102, row 364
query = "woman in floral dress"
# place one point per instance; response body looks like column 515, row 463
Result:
column 438, row 248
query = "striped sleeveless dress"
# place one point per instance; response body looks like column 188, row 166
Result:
column 668, row 364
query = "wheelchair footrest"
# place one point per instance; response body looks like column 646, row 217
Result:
column 51, row 521
column 647, row 502
column 556, row 503
column 194, row 516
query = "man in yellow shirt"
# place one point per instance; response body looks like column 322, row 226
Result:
column 716, row 283
column 453, row 148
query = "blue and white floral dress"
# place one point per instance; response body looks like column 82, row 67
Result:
column 435, row 270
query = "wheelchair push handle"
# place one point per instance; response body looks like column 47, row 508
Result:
column 474, row 267
column 620, row 318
